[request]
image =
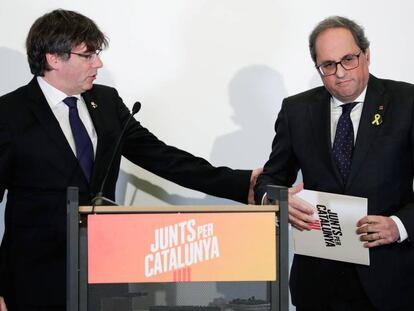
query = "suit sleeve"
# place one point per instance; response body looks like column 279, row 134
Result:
column 146, row 150
column 406, row 213
column 5, row 171
column 282, row 167
column 5, row 158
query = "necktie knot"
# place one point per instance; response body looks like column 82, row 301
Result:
column 347, row 108
column 70, row 101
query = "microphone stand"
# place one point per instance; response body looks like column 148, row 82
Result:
column 100, row 199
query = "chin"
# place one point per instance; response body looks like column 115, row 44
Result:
column 346, row 95
column 88, row 87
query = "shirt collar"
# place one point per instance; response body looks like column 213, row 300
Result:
column 360, row 99
column 53, row 95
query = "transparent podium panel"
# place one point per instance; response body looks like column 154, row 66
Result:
column 203, row 296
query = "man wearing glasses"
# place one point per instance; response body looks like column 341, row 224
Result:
column 354, row 136
column 60, row 130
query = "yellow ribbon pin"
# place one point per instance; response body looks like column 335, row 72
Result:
column 94, row 105
column 377, row 119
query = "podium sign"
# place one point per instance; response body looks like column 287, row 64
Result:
column 145, row 257
column 186, row 247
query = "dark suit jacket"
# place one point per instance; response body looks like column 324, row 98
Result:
column 382, row 170
column 37, row 165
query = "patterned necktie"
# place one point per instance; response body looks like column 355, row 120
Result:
column 83, row 143
column 344, row 141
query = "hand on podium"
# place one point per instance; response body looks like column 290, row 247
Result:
column 2, row 304
column 253, row 178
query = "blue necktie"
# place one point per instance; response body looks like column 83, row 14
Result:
column 83, row 143
column 344, row 141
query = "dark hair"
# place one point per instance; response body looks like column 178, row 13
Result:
column 58, row 32
column 338, row 22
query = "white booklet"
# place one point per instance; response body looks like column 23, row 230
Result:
column 333, row 235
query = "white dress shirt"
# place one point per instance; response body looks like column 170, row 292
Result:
column 336, row 112
column 55, row 99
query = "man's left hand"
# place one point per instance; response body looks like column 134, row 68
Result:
column 2, row 304
column 253, row 178
column 377, row 231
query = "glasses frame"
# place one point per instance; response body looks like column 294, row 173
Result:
column 318, row 67
column 90, row 57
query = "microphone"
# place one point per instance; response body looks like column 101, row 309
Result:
column 100, row 199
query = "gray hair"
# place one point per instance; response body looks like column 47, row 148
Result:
column 338, row 22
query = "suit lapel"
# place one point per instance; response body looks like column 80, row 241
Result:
column 367, row 131
column 41, row 109
column 93, row 109
column 320, row 115
column 105, row 146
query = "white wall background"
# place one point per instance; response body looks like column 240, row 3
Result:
column 210, row 74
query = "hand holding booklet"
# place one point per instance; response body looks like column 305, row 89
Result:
column 333, row 234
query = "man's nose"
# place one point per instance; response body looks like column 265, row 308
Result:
column 97, row 63
column 340, row 71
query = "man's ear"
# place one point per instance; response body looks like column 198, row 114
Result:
column 53, row 61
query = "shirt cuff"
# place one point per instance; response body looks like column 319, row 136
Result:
column 401, row 229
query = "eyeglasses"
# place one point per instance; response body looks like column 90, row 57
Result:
column 348, row 62
column 89, row 57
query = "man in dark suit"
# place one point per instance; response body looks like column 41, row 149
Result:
column 354, row 136
column 60, row 131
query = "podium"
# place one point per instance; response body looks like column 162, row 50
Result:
column 134, row 257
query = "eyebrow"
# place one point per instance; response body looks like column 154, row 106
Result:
column 334, row 61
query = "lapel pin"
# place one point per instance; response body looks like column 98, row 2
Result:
column 381, row 108
column 94, row 106
column 377, row 119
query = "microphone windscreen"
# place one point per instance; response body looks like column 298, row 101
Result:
column 136, row 108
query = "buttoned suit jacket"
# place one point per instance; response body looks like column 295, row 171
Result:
column 37, row 165
column 382, row 170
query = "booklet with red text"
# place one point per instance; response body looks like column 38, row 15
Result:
column 333, row 234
